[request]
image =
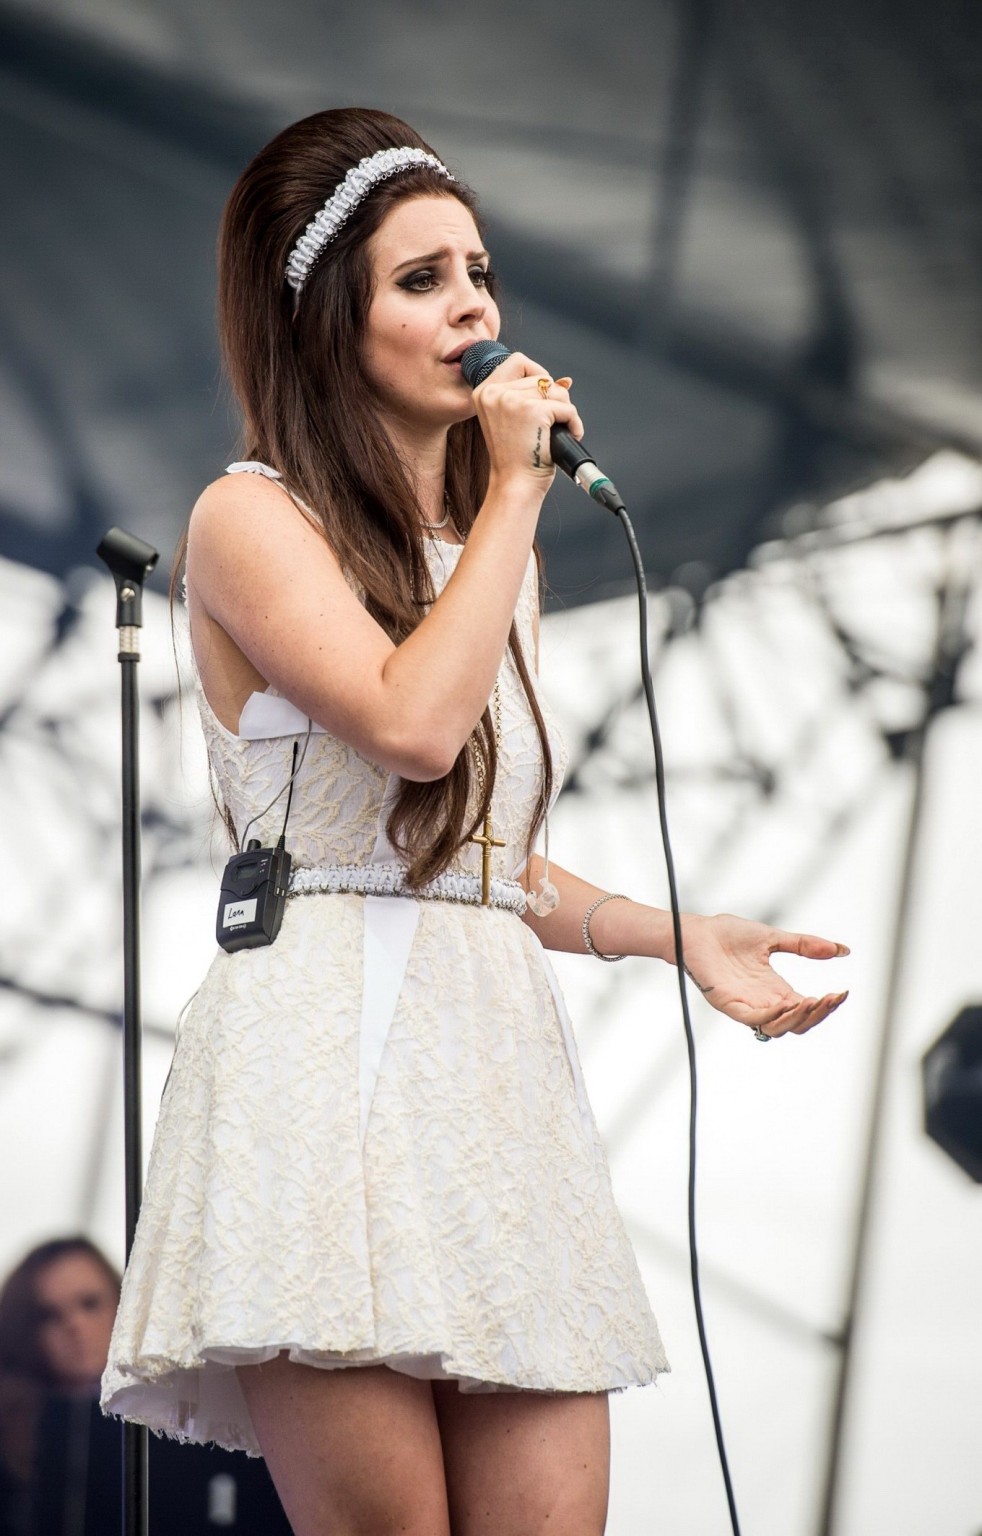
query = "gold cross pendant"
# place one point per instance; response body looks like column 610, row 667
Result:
column 487, row 841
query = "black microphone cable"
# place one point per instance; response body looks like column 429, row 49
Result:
column 572, row 456
column 620, row 512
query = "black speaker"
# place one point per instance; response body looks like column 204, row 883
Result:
column 952, row 1072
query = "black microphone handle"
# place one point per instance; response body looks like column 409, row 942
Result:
column 572, row 457
column 567, row 452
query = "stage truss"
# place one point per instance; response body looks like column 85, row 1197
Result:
column 789, row 692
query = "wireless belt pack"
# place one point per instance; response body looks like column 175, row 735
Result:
column 253, row 897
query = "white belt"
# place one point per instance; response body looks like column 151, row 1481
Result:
column 390, row 880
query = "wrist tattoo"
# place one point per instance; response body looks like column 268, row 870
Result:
column 537, row 450
column 698, row 984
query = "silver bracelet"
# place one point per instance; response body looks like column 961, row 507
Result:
column 588, row 943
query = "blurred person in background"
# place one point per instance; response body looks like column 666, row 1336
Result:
column 56, row 1317
column 59, row 1457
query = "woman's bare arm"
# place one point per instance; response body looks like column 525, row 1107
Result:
column 267, row 578
column 728, row 958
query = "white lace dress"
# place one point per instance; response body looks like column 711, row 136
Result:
column 375, row 1144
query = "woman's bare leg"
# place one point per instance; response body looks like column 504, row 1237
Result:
column 353, row 1452
column 525, row 1463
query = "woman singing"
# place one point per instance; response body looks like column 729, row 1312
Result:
column 378, row 1243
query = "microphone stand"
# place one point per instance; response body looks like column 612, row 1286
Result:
column 131, row 561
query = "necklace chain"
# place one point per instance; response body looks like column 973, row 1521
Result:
column 486, row 838
column 432, row 527
column 495, row 702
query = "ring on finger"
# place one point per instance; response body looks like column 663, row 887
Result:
column 759, row 1035
column 544, row 386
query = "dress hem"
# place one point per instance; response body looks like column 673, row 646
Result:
column 169, row 1406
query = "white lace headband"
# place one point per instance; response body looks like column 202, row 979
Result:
column 342, row 203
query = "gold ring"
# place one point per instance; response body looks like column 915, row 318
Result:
column 544, row 387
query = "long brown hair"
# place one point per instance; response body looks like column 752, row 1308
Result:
column 286, row 360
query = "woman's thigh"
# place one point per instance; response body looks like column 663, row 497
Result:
column 353, row 1452
column 522, row 1463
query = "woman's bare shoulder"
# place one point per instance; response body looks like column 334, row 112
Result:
column 229, row 494
column 242, row 518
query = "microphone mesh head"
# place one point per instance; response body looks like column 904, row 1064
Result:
column 481, row 359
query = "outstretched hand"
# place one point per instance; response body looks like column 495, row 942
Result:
column 728, row 959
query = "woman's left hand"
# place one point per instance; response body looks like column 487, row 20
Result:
column 728, row 959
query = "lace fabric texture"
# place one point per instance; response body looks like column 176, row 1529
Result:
column 375, row 1144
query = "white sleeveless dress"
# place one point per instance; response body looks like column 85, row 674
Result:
column 375, row 1144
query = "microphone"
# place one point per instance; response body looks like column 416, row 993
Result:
column 573, row 458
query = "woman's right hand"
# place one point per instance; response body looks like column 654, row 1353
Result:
column 516, row 418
